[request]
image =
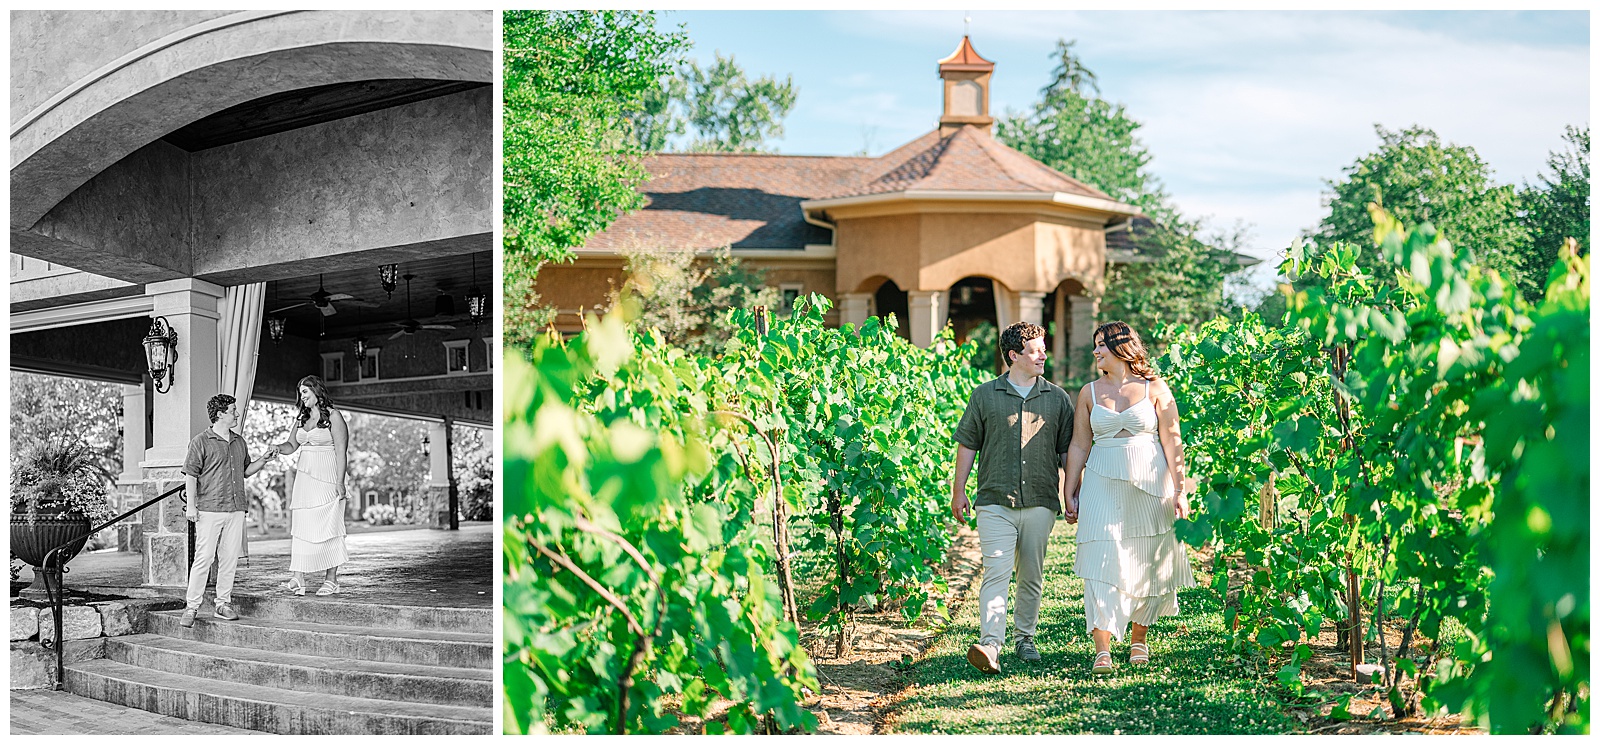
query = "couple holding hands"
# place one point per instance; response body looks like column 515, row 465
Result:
column 214, row 471
column 1119, row 445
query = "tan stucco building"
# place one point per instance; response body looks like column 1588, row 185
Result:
column 953, row 227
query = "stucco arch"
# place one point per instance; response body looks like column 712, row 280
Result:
column 185, row 75
column 872, row 283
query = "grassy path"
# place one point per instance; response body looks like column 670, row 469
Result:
column 1190, row 687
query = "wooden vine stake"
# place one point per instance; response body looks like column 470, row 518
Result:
column 1347, row 442
column 780, row 510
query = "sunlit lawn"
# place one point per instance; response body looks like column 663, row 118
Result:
column 1190, row 687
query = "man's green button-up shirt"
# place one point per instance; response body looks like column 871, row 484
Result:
column 1019, row 442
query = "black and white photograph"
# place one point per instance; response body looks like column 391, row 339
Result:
column 252, row 404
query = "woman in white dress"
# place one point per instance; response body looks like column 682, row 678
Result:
column 1127, row 456
column 316, row 505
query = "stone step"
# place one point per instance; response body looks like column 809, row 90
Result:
column 296, row 672
column 406, row 646
column 267, row 709
column 312, row 609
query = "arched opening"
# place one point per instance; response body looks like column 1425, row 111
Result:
column 889, row 298
column 973, row 315
column 1059, row 333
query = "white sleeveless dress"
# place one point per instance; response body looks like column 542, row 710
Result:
column 1130, row 559
column 316, row 525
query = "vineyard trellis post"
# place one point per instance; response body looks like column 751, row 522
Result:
column 1347, row 443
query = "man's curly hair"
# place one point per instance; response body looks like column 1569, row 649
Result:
column 218, row 404
column 1015, row 335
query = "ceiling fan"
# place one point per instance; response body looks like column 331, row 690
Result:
column 324, row 300
column 410, row 325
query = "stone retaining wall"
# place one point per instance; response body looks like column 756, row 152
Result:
column 85, row 628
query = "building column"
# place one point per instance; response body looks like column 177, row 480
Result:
column 191, row 308
column 1058, row 340
column 854, row 308
column 1081, row 339
column 926, row 311
column 441, row 482
column 1030, row 307
column 130, row 483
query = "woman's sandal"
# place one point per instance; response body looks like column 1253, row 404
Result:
column 297, row 588
column 328, row 588
column 1101, row 669
column 1139, row 654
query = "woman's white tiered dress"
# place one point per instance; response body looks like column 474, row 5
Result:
column 1130, row 559
column 316, row 526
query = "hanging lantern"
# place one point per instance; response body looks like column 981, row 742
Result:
column 477, row 300
column 161, row 353
column 477, row 305
column 444, row 305
column 275, row 327
column 389, row 277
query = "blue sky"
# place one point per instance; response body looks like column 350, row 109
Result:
column 1246, row 113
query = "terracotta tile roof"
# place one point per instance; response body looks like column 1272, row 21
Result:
column 965, row 58
column 706, row 200
column 967, row 160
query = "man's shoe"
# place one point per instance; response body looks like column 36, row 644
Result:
column 187, row 620
column 984, row 657
column 226, row 612
column 1026, row 651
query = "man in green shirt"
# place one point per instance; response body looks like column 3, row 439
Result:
column 1022, row 424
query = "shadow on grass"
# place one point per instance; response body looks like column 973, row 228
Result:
column 1191, row 687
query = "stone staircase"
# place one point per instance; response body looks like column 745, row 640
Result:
column 306, row 666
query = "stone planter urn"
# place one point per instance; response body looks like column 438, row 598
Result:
column 33, row 535
column 57, row 493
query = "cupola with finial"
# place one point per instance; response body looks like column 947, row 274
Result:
column 966, row 89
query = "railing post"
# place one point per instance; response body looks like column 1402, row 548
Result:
column 55, row 569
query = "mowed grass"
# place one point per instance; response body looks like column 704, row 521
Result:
column 1191, row 687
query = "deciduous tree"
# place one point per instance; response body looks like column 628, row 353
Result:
column 1421, row 179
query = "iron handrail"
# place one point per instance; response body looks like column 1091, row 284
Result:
column 54, row 568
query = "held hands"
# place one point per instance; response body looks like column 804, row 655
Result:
column 1072, row 508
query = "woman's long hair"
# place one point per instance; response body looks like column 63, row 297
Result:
column 1125, row 343
column 321, row 392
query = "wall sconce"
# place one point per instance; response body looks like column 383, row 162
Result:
column 424, row 444
column 121, row 412
column 161, row 353
column 389, row 277
column 361, row 350
column 275, row 327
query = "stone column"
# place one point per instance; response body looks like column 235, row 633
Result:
column 1058, row 340
column 1081, row 341
column 130, row 483
column 854, row 307
column 439, row 475
column 191, row 307
column 926, row 310
column 1030, row 307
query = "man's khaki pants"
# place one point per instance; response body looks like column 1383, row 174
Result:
column 212, row 529
column 1012, row 538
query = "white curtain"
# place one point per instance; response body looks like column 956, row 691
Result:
column 238, row 338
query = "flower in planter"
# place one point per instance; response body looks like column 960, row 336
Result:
column 60, row 477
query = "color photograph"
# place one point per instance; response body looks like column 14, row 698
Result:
column 1046, row 372
column 252, row 404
